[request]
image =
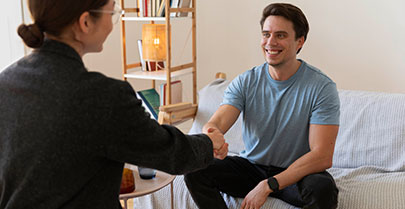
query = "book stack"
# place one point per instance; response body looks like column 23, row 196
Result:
column 176, row 90
column 156, row 8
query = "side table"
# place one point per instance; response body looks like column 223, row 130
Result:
column 148, row 186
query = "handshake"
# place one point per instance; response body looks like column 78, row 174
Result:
column 218, row 142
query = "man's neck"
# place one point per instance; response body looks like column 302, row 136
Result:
column 285, row 71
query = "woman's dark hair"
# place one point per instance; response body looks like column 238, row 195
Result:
column 291, row 13
column 53, row 16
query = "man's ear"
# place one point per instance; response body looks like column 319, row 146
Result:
column 301, row 41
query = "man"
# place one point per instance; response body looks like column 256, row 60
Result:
column 290, row 123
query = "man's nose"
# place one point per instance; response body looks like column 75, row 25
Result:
column 272, row 41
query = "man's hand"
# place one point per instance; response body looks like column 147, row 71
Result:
column 222, row 152
column 257, row 197
column 216, row 137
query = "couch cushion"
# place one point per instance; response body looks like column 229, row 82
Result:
column 369, row 187
column 372, row 130
column 209, row 99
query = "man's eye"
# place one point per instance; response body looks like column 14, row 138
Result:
column 266, row 35
column 281, row 35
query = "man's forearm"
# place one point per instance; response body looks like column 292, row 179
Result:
column 210, row 125
column 309, row 163
column 322, row 139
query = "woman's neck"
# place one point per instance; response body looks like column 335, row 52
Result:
column 76, row 45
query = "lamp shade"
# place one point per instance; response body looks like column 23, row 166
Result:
column 154, row 42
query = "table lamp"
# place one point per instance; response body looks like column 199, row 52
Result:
column 154, row 45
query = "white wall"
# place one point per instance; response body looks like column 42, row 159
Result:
column 11, row 47
column 359, row 44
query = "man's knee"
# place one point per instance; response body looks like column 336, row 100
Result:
column 319, row 191
column 190, row 178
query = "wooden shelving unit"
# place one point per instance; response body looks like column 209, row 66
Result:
column 133, row 70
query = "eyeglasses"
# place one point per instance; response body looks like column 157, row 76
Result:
column 116, row 13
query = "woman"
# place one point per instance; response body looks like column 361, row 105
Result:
column 65, row 133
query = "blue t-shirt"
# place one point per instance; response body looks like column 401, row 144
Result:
column 277, row 114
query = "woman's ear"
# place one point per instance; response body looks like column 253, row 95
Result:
column 85, row 23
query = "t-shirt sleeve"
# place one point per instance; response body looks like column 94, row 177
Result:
column 326, row 110
column 234, row 94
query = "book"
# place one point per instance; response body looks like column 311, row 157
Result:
column 153, row 3
column 141, row 8
column 151, row 65
column 175, row 4
column 184, row 4
column 145, row 8
column 162, row 8
column 149, row 8
column 143, row 63
column 177, row 92
column 150, row 101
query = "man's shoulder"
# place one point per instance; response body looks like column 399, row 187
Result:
column 313, row 73
column 253, row 73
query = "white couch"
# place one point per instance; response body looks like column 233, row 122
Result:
column 369, row 160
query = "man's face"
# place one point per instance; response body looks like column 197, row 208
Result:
column 278, row 41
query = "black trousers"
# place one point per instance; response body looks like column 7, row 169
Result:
column 237, row 176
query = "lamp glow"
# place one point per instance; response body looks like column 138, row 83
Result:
column 154, row 42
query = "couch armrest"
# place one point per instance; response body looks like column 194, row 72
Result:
column 176, row 113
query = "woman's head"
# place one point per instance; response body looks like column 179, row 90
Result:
column 55, row 17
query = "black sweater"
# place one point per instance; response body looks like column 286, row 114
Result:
column 65, row 134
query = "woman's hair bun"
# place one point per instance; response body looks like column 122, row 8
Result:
column 31, row 34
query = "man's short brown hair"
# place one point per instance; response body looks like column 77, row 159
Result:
column 291, row 13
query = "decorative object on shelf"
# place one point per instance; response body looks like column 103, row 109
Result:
column 154, row 45
column 143, row 63
column 146, row 173
column 127, row 182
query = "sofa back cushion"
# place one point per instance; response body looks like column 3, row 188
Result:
column 372, row 130
column 371, row 133
column 209, row 99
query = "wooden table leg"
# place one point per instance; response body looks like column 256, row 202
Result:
column 171, row 194
column 125, row 203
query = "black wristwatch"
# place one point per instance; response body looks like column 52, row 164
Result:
column 273, row 184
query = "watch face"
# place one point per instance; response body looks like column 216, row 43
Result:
column 273, row 184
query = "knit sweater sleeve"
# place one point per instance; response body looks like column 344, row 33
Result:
column 126, row 133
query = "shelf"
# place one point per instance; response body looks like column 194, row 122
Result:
column 158, row 19
column 133, row 70
column 157, row 75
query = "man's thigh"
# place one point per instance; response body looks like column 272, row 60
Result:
column 235, row 175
